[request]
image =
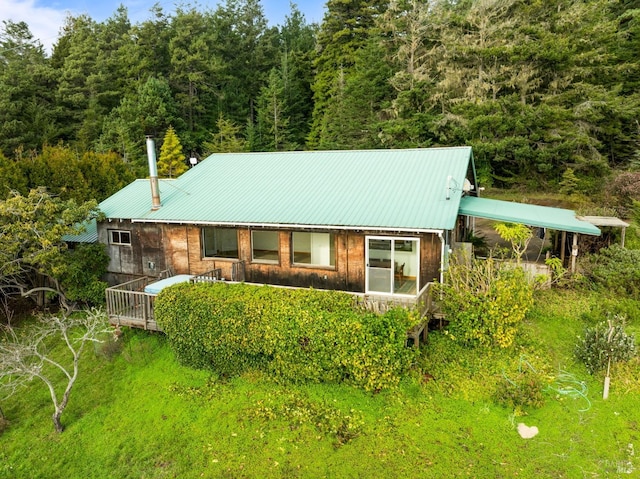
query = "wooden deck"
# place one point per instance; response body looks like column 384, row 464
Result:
column 129, row 305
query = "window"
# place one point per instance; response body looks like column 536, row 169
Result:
column 120, row 237
column 219, row 242
column 316, row 249
column 265, row 246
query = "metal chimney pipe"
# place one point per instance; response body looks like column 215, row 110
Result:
column 153, row 174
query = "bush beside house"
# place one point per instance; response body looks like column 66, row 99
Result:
column 484, row 300
column 293, row 335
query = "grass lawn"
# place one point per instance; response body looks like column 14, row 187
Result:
column 137, row 413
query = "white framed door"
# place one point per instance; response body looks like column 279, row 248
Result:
column 392, row 265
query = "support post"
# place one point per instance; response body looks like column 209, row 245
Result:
column 574, row 253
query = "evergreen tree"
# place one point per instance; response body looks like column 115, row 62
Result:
column 147, row 112
column 226, row 140
column 363, row 94
column 113, row 65
column 248, row 49
column 149, row 55
column 27, row 81
column 171, row 163
column 273, row 119
column 75, row 97
column 194, row 71
column 296, row 71
column 347, row 26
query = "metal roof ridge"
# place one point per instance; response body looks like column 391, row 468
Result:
column 292, row 152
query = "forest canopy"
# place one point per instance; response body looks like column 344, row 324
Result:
column 538, row 89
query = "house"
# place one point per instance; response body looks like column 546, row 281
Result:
column 377, row 223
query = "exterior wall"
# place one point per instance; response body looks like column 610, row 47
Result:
column 143, row 257
column 155, row 248
column 430, row 251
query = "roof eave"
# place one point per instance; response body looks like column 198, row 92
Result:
column 296, row 226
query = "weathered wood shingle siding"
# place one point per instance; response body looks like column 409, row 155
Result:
column 179, row 247
column 129, row 261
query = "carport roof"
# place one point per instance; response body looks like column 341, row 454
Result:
column 532, row 215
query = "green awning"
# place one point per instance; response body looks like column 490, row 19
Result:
column 531, row 215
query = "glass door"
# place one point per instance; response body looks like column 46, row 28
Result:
column 379, row 261
column 392, row 265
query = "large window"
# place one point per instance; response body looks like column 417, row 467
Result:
column 265, row 246
column 220, row 242
column 120, row 237
column 314, row 249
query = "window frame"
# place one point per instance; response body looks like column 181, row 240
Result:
column 204, row 245
column 277, row 251
column 332, row 241
column 119, row 233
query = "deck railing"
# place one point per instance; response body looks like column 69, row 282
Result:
column 380, row 303
column 129, row 305
column 208, row 276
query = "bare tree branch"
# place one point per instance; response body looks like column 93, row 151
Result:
column 24, row 357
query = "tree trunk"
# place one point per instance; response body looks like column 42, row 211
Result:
column 56, row 421
column 59, row 409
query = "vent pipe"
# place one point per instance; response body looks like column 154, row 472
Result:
column 153, row 174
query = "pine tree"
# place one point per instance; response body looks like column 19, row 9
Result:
column 273, row 119
column 248, row 51
column 76, row 97
column 171, row 163
column 27, row 83
column 347, row 27
column 195, row 70
column 226, row 140
column 148, row 111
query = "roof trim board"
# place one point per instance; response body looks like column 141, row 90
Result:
column 532, row 215
column 292, row 226
column 606, row 221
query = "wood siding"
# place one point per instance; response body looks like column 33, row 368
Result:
column 156, row 247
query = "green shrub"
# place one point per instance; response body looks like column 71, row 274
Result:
column 625, row 187
column 524, row 390
column 479, row 242
column 629, row 308
column 299, row 411
column 616, row 269
column 293, row 335
column 606, row 342
column 80, row 275
column 485, row 301
column 632, row 238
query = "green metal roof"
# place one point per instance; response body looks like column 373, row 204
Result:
column 89, row 235
column 379, row 189
column 531, row 215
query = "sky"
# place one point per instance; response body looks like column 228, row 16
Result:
column 46, row 17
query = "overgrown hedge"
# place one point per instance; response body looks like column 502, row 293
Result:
column 295, row 335
column 616, row 269
column 485, row 301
